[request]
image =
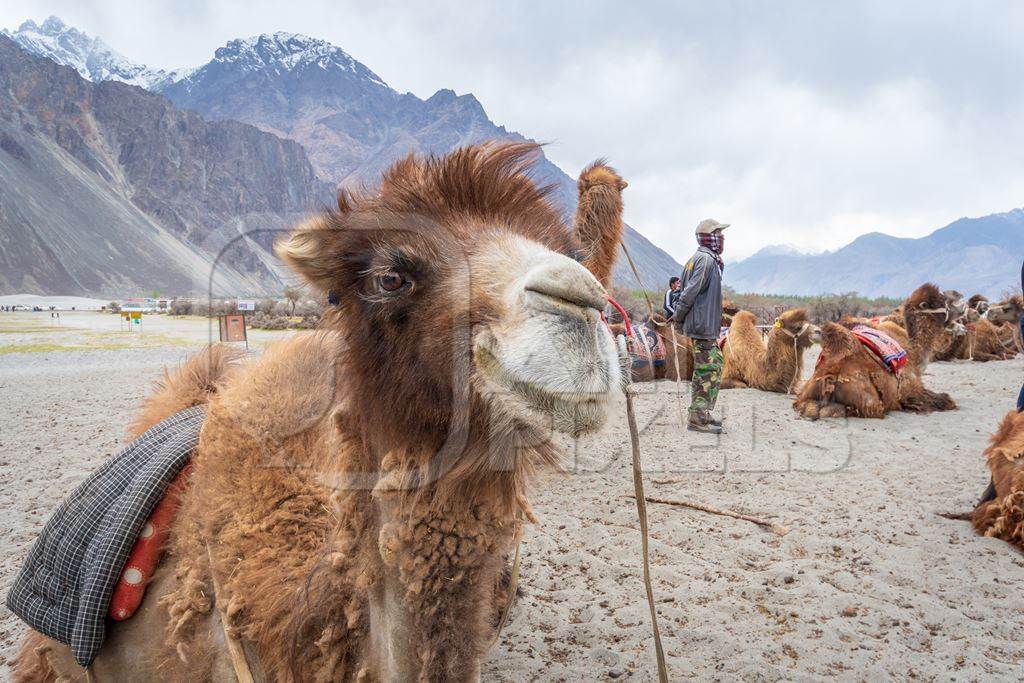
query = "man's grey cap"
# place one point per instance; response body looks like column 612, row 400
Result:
column 709, row 225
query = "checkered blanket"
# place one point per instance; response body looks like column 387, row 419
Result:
column 64, row 588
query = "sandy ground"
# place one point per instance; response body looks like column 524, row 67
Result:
column 870, row 583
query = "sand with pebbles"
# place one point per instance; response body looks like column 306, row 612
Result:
column 869, row 583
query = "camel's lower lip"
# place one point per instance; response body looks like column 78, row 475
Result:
column 567, row 411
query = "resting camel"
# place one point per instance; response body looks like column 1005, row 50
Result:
column 772, row 364
column 849, row 380
column 1001, row 510
column 356, row 490
column 1006, row 316
column 678, row 348
column 974, row 339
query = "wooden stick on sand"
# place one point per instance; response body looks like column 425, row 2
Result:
column 777, row 529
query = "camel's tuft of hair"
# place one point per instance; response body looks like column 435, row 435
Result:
column 1001, row 514
column 189, row 385
column 489, row 183
column 598, row 223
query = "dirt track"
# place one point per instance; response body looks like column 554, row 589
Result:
column 869, row 583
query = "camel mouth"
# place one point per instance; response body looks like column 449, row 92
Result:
column 574, row 410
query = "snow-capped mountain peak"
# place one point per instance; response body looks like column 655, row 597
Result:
column 93, row 59
column 284, row 51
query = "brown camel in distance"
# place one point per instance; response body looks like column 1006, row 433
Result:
column 356, row 490
column 774, row 363
column 1000, row 514
column 976, row 338
column 678, row 348
column 850, row 381
column 1006, row 316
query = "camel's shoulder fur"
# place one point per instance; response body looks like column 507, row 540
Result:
column 1003, row 515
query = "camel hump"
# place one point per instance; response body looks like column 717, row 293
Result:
column 188, row 385
column 600, row 173
column 289, row 390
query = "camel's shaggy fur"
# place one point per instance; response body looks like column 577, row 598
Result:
column 193, row 384
column 1006, row 316
column 772, row 364
column 356, row 491
column 1001, row 512
column 849, row 381
column 979, row 341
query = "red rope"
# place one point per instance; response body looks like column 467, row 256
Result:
column 625, row 316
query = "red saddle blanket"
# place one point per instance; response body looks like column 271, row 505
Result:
column 885, row 348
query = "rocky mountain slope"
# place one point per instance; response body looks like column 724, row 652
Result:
column 971, row 255
column 352, row 124
column 107, row 189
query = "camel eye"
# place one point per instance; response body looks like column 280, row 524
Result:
column 391, row 282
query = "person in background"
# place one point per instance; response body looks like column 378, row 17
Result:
column 1020, row 397
column 698, row 314
column 669, row 303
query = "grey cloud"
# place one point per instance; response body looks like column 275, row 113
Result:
column 801, row 122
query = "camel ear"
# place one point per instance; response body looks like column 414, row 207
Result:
column 308, row 251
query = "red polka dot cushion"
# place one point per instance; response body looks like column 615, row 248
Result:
column 145, row 554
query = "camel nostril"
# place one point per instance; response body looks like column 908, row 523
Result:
column 566, row 281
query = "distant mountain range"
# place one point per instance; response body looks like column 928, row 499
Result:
column 349, row 123
column 972, row 255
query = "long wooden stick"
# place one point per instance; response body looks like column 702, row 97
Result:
column 641, row 508
column 772, row 526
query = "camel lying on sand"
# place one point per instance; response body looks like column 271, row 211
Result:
column 357, row 490
column 1001, row 510
column 850, row 380
column 975, row 337
column 1006, row 316
column 978, row 339
column 678, row 352
column 678, row 348
column 772, row 364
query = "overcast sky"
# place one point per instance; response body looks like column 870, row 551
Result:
column 805, row 123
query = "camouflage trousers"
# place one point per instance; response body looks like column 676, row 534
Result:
column 707, row 376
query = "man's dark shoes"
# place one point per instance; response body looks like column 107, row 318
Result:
column 704, row 424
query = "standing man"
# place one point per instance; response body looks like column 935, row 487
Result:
column 698, row 313
column 670, row 295
column 1020, row 398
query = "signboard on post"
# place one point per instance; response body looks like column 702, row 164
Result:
column 232, row 328
column 246, row 305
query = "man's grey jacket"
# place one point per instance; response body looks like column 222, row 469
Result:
column 698, row 305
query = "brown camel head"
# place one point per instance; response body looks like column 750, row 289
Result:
column 928, row 313
column 796, row 323
column 978, row 303
column 955, row 302
column 729, row 311
column 1006, row 311
column 460, row 298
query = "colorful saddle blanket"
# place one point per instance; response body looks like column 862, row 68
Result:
column 887, row 349
column 646, row 346
column 723, row 337
column 65, row 588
